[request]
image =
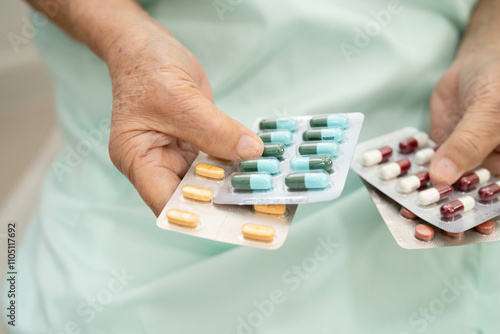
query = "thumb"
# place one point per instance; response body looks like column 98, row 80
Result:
column 474, row 138
column 215, row 133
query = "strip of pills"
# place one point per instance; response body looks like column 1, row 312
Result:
column 306, row 159
column 397, row 164
column 411, row 232
column 191, row 209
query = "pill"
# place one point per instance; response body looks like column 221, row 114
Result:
column 487, row 193
column 258, row 232
column 374, row 157
column 434, row 194
column 252, row 181
column 424, row 232
column 324, row 134
column 468, row 181
column 456, row 235
column 409, row 145
column 284, row 137
column 212, row 172
column 413, row 182
column 487, row 227
column 425, row 155
column 312, row 162
column 392, row 170
column 271, row 209
column 318, row 180
column 407, row 213
column 329, row 121
column 275, row 150
column 278, row 124
column 197, row 193
column 328, row 147
column 270, row 165
column 457, row 205
column 183, row 218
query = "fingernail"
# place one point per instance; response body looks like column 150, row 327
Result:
column 247, row 147
column 446, row 170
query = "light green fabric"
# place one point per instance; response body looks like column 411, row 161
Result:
column 340, row 271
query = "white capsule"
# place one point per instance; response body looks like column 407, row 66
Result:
column 371, row 158
column 483, row 174
column 390, row 171
column 424, row 156
column 422, row 138
column 468, row 202
column 428, row 196
column 409, row 184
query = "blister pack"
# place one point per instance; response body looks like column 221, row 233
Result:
column 306, row 159
column 191, row 211
column 397, row 165
column 411, row 232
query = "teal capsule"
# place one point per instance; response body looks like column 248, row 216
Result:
column 279, row 123
column 275, row 150
column 340, row 121
column 312, row 162
column 270, row 165
column 312, row 180
column 328, row 147
column 324, row 134
column 252, row 181
column 282, row 136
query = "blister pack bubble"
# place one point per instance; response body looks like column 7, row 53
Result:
column 306, row 160
column 192, row 211
column 466, row 207
column 403, row 229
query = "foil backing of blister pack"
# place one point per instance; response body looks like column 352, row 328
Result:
column 280, row 194
column 403, row 229
column 431, row 214
column 222, row 223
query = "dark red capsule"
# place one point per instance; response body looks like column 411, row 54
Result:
column 489, row 192
column 386, row 152
column 452, row 208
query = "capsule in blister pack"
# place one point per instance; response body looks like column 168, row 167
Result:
column 306, row 159
column 191, row 210
column 411, row 232
column 397, row 165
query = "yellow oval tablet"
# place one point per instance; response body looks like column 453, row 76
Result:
column 212, row 172
column 271, row 209
column 183, row 218
column 197, row 193
column 258, row 232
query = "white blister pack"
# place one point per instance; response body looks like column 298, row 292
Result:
column 191, row 211
column 403, row 228
column 306, row 160
column 401, row 173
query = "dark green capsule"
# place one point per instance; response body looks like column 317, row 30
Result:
column 275, row 150
column 278, row 124
column 327, row 147
column 270, row 165
column 312, row 162
column 304, row 181
column 340, row 121
column 324, row 134
column 252, row 181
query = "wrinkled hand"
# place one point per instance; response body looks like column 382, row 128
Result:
column 163, row 112
column 465, row 117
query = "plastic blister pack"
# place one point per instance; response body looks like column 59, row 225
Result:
column 191, row 211
column 401, row 173
column 306, row 160
column 403, row 228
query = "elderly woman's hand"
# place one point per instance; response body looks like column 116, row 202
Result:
column 465, row 106
column 163, row 112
